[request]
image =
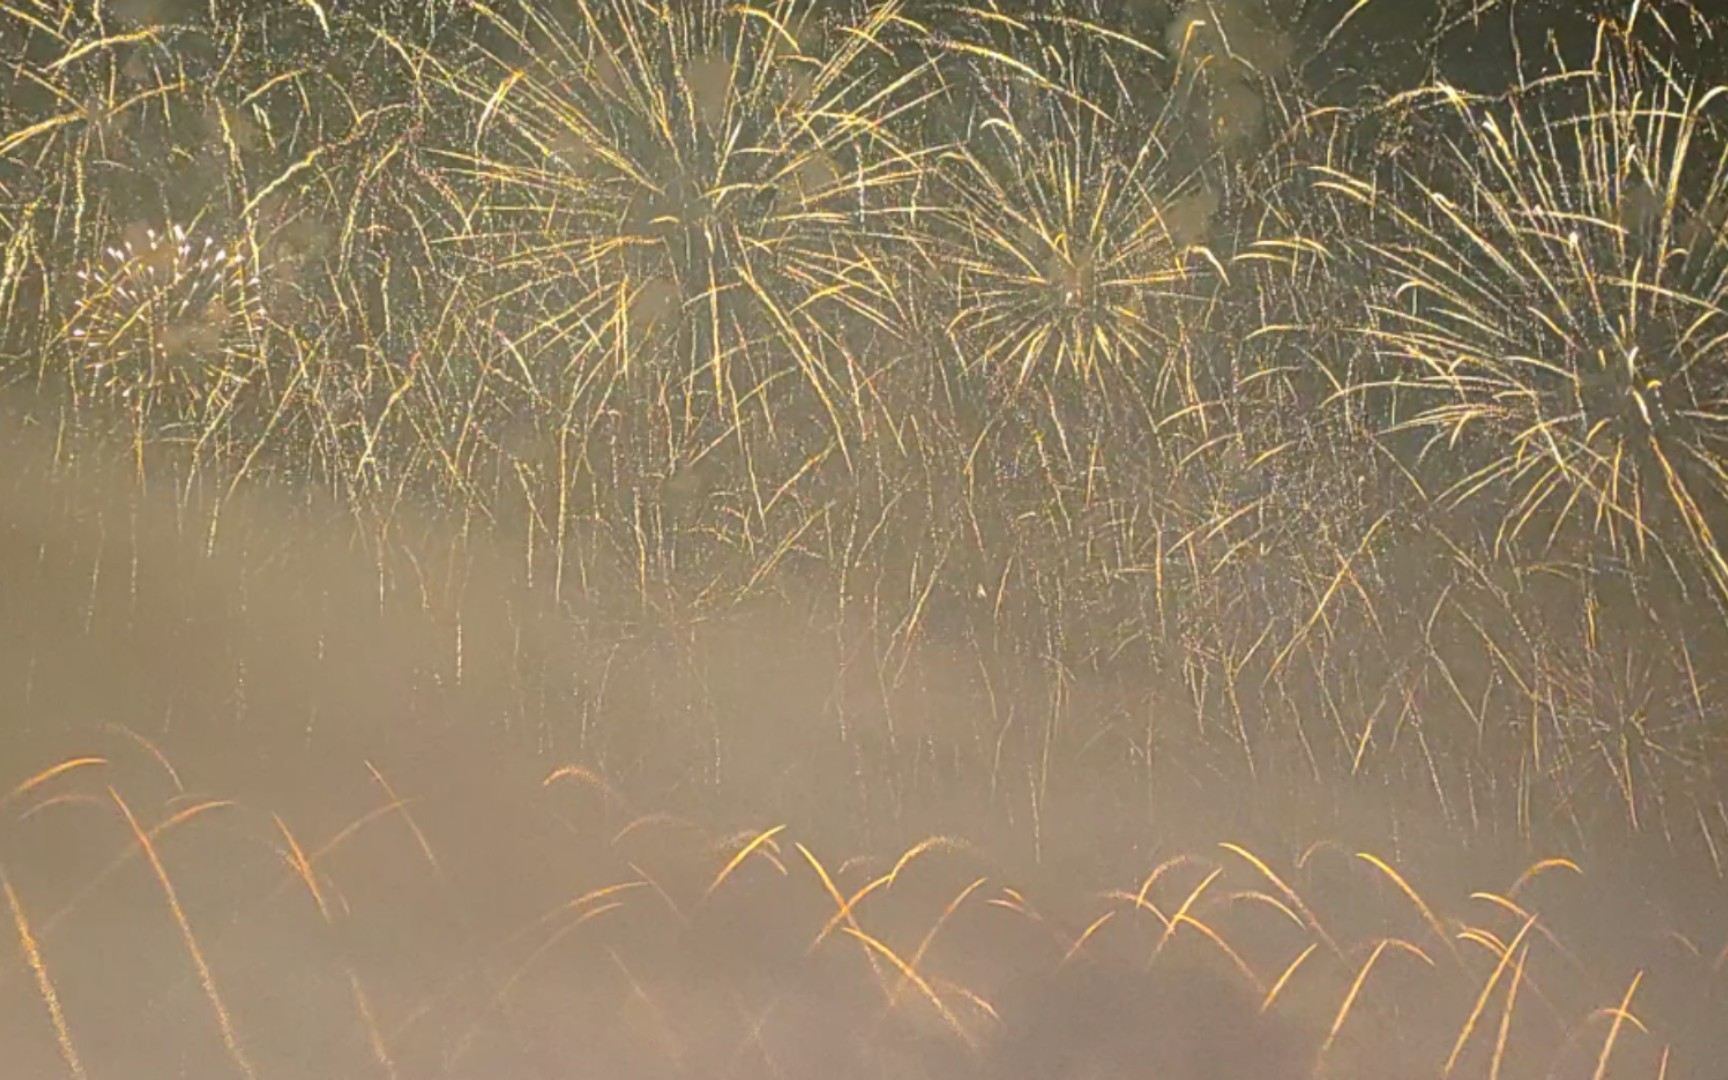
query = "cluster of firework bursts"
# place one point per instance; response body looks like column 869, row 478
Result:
column 1075, row 416
column 646, row 945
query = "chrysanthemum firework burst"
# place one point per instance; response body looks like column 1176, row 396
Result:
column 694, row 184
column 166, row 310
column 1549, row 311
column 1072, row 237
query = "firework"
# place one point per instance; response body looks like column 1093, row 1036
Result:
column 167, row 310
column 692, row 185
column 1069, row 238
column 1548, row 313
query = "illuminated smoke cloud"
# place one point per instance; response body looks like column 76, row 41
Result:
column 1238, row 46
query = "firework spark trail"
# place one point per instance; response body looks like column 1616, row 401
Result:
column 44, row 984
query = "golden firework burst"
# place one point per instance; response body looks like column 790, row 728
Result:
column 700, row 187
column 1548, row 309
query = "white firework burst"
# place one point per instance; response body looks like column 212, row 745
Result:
column 166, row 310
